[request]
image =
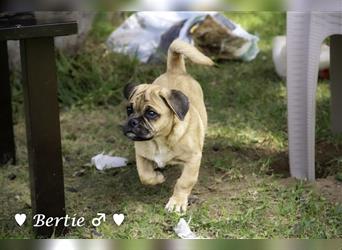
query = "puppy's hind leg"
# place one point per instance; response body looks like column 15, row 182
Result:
column 147, row 174
column 179, row 200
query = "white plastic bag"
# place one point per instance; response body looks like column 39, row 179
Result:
column 140, row 34
column 183, row 230
column 103, row 162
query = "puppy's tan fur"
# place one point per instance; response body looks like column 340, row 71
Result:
column 175, row 141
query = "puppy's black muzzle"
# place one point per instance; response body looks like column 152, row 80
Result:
column 135, row 130
column 133, row 123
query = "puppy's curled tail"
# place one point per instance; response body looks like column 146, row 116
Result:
column 175, row 58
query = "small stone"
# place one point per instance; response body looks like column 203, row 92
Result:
column 216, row 148
column 96, row 233
column 339, row 176
column 11, row 176
column 27, row 206
column 79, row 173
column 111, row 140
column 193, row 199
column 71, row 189
column 131, row 163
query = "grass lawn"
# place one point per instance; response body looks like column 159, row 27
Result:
column 244, row 189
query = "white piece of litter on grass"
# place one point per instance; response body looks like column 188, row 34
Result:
column 103, row 162
column 182, row 229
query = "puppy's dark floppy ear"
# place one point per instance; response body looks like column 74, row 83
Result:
column 128, row 90
column 178, row 102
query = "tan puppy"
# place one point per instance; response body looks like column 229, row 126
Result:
column 167, row 120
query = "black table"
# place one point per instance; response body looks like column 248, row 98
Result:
column 41, row 114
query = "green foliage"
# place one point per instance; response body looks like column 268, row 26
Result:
column 93, row 78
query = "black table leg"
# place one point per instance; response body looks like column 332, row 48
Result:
column 7, row 146
column 43, row 130
column 336, row 82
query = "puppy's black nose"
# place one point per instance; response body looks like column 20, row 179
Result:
column 134, row 122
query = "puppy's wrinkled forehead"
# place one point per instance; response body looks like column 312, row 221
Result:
column 145, row 95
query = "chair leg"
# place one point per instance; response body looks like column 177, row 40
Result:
column 7, row 146
column 43, row 130
column 303, row 49
column 336, row 82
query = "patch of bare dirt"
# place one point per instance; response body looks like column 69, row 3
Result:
column 330, row 188
column 328, row 156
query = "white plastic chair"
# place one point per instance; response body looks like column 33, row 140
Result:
column 306, row 30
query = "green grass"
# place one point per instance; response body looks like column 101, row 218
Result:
column 243, row 189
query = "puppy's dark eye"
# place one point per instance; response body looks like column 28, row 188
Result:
column 129, row 110
column 150, row 114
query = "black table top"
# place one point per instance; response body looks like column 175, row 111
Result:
column 17, row 32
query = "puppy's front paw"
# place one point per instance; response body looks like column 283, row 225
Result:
column 177, row 204
column 155, row 179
